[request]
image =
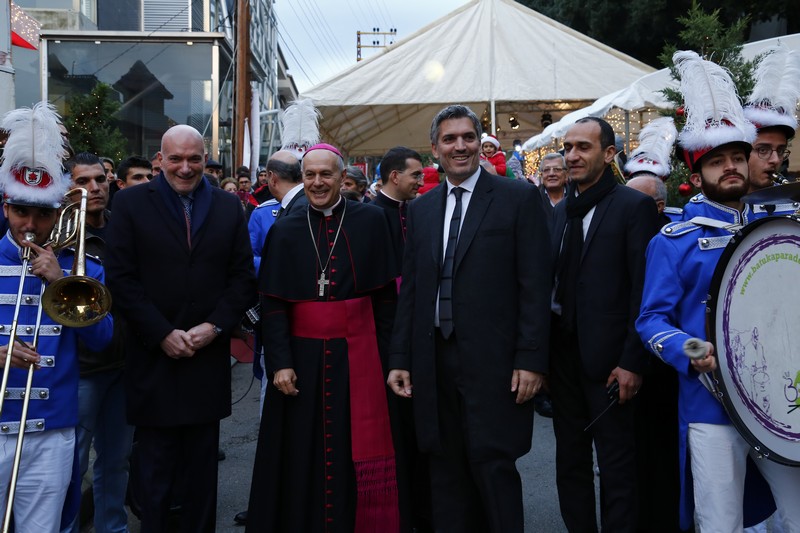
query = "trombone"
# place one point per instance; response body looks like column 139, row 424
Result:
column 76, row 301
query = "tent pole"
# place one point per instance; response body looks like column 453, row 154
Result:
column 494, row 118
column 627, row 132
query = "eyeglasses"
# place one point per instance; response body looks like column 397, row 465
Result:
column 765, row 152
column 552, row 169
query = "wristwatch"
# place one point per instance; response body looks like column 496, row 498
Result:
column 217, row 330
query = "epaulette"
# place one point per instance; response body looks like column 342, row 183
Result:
column 698, row 198
column 775, row 208
column 271, row 201
column 673, row 210
column 676, row 229
column 96, row 258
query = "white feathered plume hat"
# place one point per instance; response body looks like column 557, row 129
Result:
column 654, row 150
column 299, row 123
column 777, row 90
column 714, row 115
column 31, row 171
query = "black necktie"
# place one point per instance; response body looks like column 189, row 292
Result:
column 281, row 211
column 446, row 282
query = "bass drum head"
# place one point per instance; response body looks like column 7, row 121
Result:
column 755, row 329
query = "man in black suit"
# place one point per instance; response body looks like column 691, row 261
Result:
column 181, row 272
column 472, row 330
column 401, row 178
column 600, row 234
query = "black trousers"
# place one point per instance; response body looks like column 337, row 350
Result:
column 468, row 496
column 576, row 402
column 180, row 460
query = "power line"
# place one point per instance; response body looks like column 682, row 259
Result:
column 357, row 15
column 297, row 62
column 347, row 58
column 314, row 36
column 327, row 31
column 383, row 9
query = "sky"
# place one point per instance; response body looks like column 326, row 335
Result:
column 318, row 37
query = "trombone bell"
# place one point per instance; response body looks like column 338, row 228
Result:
column 76, row 301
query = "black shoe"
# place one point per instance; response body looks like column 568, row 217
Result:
column 220, row 455
column 543, row 405
column 240, row 518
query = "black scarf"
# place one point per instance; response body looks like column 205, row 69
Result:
column 569, row 259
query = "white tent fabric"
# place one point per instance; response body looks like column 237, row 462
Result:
column 485, row 52
column 644, row 92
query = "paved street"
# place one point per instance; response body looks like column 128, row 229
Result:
column 238, row 439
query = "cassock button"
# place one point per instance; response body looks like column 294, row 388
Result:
column 330, row 231
column 328, row 367
column 328, row 393
column 333, row 258
column 329, row 519
column 329, row 491
column 328, row 436
column 333, row 283
column 328, row 450
column 328, row 352
column 327, row 407
column 330, row 244
column 329, row 478
column 333, row 297
column 333, row 270
column 328, row 506
column 327, row 380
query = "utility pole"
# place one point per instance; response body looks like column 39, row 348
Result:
column 241, row 82
column 380, row 40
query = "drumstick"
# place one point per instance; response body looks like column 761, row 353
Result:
column 695, row 348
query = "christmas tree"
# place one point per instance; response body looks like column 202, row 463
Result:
column 91, row 123
column 705, row 34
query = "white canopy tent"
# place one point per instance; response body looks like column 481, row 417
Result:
column 640, row 96
column 497, row 56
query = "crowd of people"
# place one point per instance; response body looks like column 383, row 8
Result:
column 405, row 330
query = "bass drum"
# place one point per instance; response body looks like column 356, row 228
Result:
column 755, row 328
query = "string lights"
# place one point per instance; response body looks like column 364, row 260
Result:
column 25, row 30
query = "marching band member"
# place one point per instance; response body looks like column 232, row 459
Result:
column 715, row 143
column 34, row 186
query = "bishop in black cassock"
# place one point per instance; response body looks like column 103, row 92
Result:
column 325, row 459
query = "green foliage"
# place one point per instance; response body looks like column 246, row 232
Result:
column 705, row 34
column 91, row 124
column 641, row 29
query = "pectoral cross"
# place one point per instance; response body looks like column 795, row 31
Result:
column 322, row 282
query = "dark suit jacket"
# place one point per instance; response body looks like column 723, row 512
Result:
column 159, row 284
column 501, row 308
column 610, row 280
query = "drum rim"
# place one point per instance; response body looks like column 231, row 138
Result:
column 711, row 326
